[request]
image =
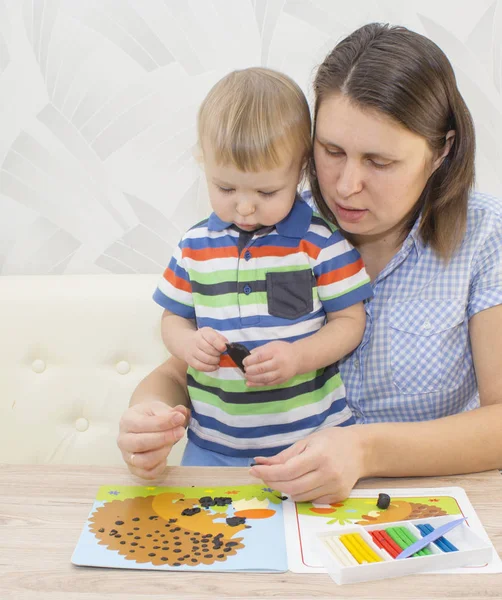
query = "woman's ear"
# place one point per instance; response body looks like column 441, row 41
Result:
column 443, row 153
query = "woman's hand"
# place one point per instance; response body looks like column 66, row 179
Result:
column 323, row 467
column 271, row 364
column 148, row 431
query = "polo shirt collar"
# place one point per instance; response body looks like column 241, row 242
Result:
column 214, row 223
column 297, row 222
column 294, row 225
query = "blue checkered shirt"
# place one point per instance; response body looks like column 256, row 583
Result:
column 414, row 362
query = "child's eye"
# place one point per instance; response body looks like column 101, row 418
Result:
column 225, row 190
column 267, row 193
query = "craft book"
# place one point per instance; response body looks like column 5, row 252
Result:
column 247, row 528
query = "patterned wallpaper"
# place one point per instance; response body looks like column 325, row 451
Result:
column 98, row 101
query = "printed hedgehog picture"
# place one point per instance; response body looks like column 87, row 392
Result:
column 176, row 527
column 365, row 511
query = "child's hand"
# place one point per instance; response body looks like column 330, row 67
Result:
column 271, row 364
column 204, row 349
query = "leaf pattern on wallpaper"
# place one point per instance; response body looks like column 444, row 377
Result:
column 99, row 99
column 145, row 247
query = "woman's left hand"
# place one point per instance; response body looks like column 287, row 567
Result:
column 323, row 467
column 271, row 364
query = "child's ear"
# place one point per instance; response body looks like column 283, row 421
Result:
column 197, row 154
column 302, row 173
column 445, row 150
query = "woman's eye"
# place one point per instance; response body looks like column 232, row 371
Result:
column 379, row 165
column 333, row 152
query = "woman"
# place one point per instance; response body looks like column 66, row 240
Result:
column 393, row 166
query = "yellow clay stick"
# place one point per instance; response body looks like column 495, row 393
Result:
column 368, row 551
column 352, row 548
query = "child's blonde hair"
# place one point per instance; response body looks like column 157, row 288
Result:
column 253, row 118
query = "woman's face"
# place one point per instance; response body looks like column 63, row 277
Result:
column 371, row 170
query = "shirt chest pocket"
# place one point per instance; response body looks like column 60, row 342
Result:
column 429, row 342
column 289, row 294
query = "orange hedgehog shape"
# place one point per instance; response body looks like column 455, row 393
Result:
column 155, row 530
column 400, row 510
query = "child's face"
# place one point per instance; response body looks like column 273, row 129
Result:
column 251, row 199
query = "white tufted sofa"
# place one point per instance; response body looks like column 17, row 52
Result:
column 72, row 350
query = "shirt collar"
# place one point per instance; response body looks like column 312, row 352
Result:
column 414, row 236
column 413, row 239
column 214, row 223
column 294, row 225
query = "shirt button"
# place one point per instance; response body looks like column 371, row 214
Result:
column 247, row 289
column 247, row 256
column 427, row 324
column 357, row 364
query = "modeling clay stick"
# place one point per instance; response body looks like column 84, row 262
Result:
column 407, row 535
column 352, row 548
column 397, row 535
column 339, row 551
column 383, row 543
column 363, row 547
column 431, row 537
column 424, row 530
column 411, row 539
column 376, row 538
column 449, row 547
column 385, row 536
column 425, row 551
column 337, row 541
column 388, row 545
column 366, row 548
column 394, row 534
column 335, row 552
column 377, row 541
column 401, row 533
column 441, row 542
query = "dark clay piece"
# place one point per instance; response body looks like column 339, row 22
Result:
column 238, row 353
column 383, row 501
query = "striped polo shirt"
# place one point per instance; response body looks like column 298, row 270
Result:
column 276, row 283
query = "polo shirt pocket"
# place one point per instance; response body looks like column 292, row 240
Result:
column 289, row 294
column 429, row 341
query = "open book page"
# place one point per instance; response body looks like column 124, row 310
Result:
column 237, row 528
column 305, row 520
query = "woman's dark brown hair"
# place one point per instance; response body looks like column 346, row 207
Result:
column 407, row 77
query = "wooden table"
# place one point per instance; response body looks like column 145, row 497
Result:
column 43, row 509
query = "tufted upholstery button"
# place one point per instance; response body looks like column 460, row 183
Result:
column 123, row 367
column 38, row 365
column 81, row 424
